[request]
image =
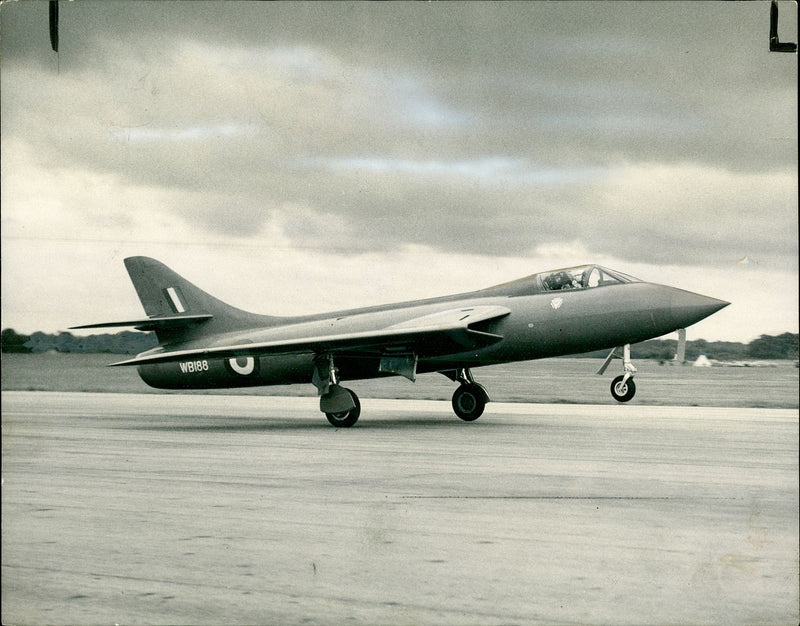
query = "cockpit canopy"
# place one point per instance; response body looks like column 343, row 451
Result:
column 581, row 277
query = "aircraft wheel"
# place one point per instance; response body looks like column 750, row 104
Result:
column 345, row 419
column 623, row 392
column 469, row 401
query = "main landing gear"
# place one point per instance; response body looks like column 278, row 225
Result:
column 470, row 399
column 346, row 418
column 342, row 407
column 340, row 404
column 622, row 387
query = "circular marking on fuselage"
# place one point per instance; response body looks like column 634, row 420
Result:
column 246, row 369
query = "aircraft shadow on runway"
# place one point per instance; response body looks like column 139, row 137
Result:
column 284, row 424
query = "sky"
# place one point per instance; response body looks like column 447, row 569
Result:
column 294, row 158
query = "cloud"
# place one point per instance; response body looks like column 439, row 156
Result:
column 352, row 132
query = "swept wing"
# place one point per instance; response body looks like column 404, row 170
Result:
column 444, row 332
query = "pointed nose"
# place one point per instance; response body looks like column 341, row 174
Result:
column 688, row 308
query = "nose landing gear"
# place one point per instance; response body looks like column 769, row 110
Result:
column 622, row 387
column 623, row 390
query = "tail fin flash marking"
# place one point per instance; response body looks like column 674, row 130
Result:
column 175, row 300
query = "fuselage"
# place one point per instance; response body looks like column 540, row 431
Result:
column 548, row 317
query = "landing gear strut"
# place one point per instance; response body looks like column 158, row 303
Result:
column 470, row 399
column 340, row 404
column 622, row 387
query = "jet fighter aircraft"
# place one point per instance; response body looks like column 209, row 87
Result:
column 205, row 343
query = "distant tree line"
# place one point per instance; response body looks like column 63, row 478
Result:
column 769, row 347
column 126, row 342
column 783, row 346
column 774, row 347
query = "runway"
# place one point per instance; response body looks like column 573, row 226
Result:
column 182, row 509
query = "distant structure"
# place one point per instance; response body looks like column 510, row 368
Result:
column 702, row 361
column 680, row 355
column 54, row 25
column 775, row 44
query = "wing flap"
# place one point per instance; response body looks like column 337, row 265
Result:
column 447, row 332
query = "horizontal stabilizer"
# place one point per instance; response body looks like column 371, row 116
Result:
column 153, row 323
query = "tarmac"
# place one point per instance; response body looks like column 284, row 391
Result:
column 199, row 509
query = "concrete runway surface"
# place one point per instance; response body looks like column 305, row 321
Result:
column 181, row 509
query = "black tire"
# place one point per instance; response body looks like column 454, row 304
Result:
column 345, row 419
column 620, row 392
column 469, row 401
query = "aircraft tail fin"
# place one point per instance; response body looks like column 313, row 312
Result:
column 162, row 292
column 178, row 310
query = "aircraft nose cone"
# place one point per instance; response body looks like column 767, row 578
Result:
column 688, row 308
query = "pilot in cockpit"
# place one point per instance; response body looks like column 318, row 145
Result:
column 561, row 280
